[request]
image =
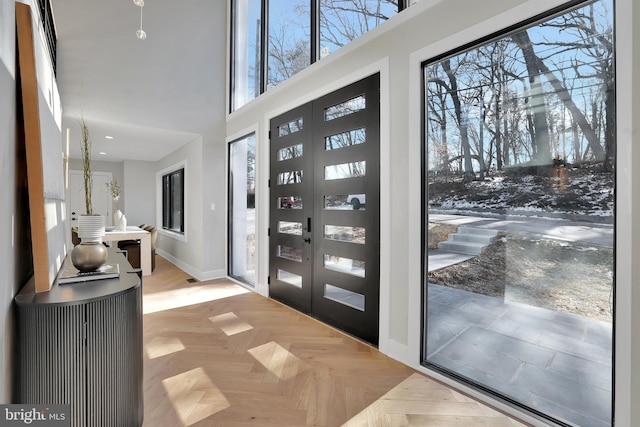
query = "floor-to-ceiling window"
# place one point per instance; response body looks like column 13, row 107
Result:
column 519, row 155
column 242, row 210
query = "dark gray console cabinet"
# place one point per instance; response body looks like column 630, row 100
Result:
column 81, row 344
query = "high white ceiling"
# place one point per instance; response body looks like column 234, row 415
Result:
column 152, row 96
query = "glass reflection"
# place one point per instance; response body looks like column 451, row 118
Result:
column 350, row 266
column 345, row 139
column 290, row 278
column 346, row 108
column 289, row 227
column 242, row 236
column 343, row 233
column 291, row 127
column 290, row 202
column 289, row 177
column 527, row 311
column 294, row 254
column 344, row 296
column 342, row 202
column 289, row 153
column 345, row 170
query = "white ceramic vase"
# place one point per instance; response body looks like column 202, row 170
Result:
column 91, row 228
column 122, row 223
column 116, row 218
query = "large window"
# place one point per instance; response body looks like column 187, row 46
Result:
column 297, row 33
column 246, row 34
column 519, row 143
column 173, row 201
column 242, row 209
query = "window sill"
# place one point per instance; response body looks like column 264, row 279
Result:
column 172, row 234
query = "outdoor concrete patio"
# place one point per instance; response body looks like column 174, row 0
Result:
column 557, row 363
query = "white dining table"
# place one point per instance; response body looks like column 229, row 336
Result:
column 134, row 233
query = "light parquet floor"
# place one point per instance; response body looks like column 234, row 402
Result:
column 219, row 355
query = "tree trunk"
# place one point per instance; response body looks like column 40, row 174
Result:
column 469, row 175
column 542, row 152
column 578, row 116
column 576, row 143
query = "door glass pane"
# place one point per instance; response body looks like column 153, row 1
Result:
column 289, row 177
column 290, row 152
column 288, row 227
column 344, row 265
column 342, row 202
column 351, row 106
column 294, row 254
column 345, row 139
column 345, row 170
column 290, row 202
column 345, row 233
column 344, row 296
column 242, row 210
column 291, row 127
column 289, row 39
column 290, row 278
column 520, row 184
column 246, row 54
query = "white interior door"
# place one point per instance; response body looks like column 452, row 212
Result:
column 100, row 198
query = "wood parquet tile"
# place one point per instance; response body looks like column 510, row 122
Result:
column 221, row 356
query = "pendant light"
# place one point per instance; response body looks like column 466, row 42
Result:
column 140, row 33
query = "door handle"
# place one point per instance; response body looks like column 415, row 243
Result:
column 309, row 225
column 307, row 240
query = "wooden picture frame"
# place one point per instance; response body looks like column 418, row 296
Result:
column 43, row 156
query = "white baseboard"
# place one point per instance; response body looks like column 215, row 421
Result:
column 192, row 271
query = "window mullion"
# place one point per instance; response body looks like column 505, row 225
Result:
column 264, row 44
column 182, row 200
column 314, row 7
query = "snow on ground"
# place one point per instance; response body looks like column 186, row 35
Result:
column 581, row 191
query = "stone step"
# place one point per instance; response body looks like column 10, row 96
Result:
column 471, row 238
column 462, row 247
column 476, row 231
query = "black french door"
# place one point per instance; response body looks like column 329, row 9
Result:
column 325, row 208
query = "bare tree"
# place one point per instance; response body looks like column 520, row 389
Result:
column 288, row 52
column 592, row 36
column 469, row 175
column 540, row 130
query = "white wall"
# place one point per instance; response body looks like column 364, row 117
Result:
column 115, row 168
column 627, row 314
column 203, row 254
column 139, row 190
column 16, row 262
column 12, row 275
column 396, row 49
column 185, row 251
column 214, row 203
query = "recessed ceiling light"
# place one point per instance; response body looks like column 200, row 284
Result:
column 108, row 137
column 102, row 153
